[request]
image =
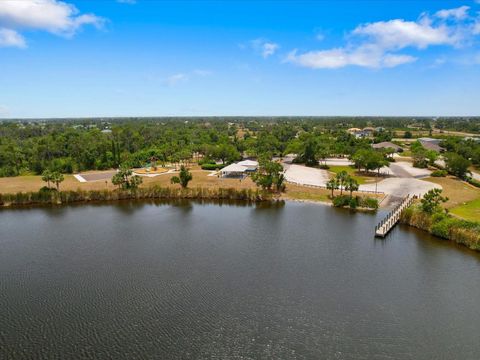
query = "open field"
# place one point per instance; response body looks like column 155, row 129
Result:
column 458, row 192
column 296, row 192
column 200, row 178
column 469, row 211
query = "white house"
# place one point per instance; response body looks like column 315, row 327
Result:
column 240, row 169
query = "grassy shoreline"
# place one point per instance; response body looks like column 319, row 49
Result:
column 151, row 192
column 444, row 226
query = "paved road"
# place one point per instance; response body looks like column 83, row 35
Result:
column 403, row 169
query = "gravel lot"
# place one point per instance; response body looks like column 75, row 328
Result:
column 305, row 175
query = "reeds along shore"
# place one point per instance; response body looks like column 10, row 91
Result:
column 153, row 192
column 444, row 226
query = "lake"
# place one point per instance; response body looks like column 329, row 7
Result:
column 189, row 280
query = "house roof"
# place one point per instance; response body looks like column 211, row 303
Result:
column 430, row 140
column 248, row 163
column 387, row 144
column 429, row 145
column 234, row 168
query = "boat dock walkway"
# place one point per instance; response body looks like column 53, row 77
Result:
column 387, row 224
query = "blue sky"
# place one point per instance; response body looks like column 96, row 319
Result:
column 158, row 58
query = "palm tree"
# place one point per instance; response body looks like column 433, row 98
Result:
column 341, row 178
column 332, row 184
column 57, row 178
column 351, row 185
column 47, row 177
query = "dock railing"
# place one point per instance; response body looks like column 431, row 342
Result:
column 392, row 218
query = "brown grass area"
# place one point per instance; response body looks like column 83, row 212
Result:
column 458, row 192
column 296, row 192
column 200, row 179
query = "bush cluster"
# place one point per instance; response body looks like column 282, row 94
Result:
column 439, row 173
column 212, row 166
column 355, row 201
column 473, row 182
column 444, row 226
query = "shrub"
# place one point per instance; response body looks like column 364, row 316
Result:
column 473, row 182
column 324, row 167
column 211, row 166
column 353, row 203
column 439, row 173
column 341, row 201
column 368, row 202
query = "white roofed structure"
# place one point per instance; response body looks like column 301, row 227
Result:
column 239, row 169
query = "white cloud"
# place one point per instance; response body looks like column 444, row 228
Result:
column 176, row 79
column 11, row 38
column 366, row 56
column 269, row 49
column 54, row 16
column 459, row 13
column 376, row 45
column 399, row 34
column 264, row 47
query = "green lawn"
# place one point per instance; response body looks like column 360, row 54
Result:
column 353, row 173
column 468, row 211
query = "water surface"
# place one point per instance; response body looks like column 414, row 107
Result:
column 201, row 281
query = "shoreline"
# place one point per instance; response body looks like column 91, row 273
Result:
column 79, row 197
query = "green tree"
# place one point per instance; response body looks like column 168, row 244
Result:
column 309, row 154
column 183, row 177
column 431, row 201
column 457, row 165
column 341, row 178
column 57, row 178
column 351, row 185
column 47, row 177
column 419, row 155
column 269, row 174
column 124, row 179
column 431, row 156
column 332, row 185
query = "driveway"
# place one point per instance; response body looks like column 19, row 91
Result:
column 404, row 169
column 401, row 187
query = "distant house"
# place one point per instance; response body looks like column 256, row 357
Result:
column 359, row 133
column 386, row 145
column 240, row 169
column 431, row 144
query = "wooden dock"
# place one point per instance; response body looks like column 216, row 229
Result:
column 387, row 224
